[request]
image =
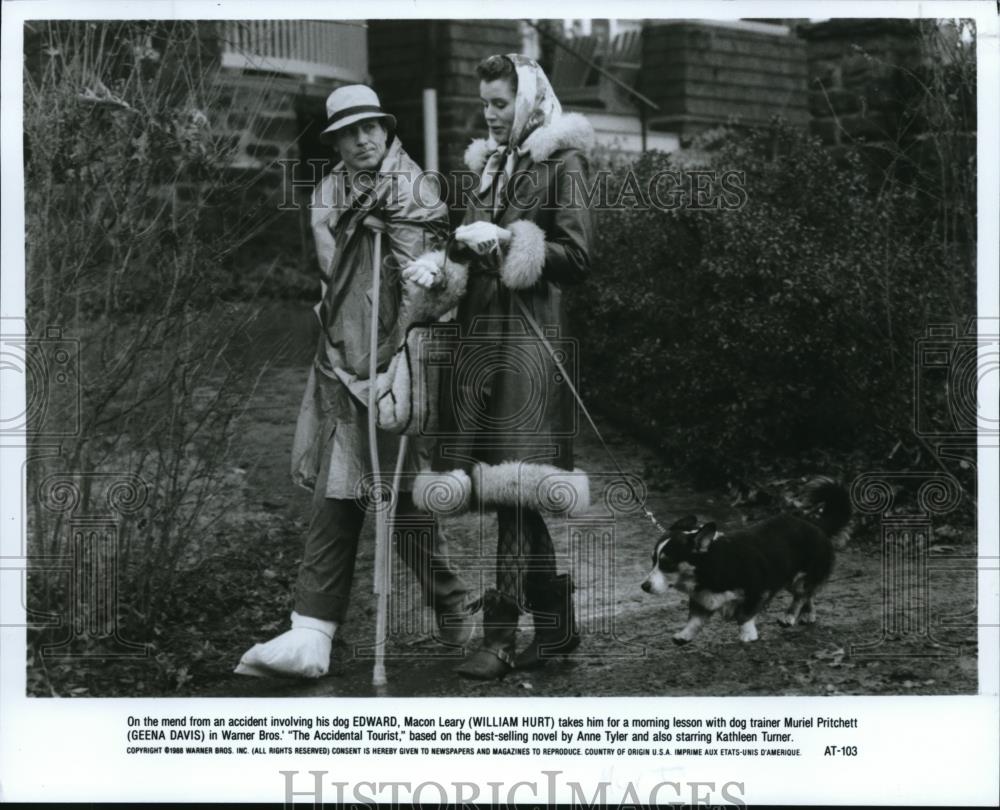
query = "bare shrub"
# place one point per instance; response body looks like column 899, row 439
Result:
column 125, row 176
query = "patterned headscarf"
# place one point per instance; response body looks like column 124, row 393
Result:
column 535, row 105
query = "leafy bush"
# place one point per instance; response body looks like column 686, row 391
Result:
column 124, row 255
column 775, row 330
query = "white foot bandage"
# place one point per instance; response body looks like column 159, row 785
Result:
column 302, row 652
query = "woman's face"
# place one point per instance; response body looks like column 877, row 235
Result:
column 498, row 108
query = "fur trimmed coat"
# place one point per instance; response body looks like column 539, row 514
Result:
column 511, row 416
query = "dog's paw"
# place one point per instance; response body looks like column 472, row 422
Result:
column 748, row 632
column 807, row 617
column 788, row 620
column 680, row 639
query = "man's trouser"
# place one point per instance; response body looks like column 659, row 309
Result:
column 323, row 588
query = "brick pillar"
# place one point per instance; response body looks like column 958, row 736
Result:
column 858, row 85
column 466, row 44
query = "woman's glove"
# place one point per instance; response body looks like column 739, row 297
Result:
column 482, row 237
column 424, row 272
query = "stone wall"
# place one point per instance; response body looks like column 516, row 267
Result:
column 703, row 75
column 860, row 80
column 268, row 121
column 904, row 93
column 848, row 80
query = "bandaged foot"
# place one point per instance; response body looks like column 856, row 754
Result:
column 302, row 652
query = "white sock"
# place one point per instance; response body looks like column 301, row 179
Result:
column 303, row 651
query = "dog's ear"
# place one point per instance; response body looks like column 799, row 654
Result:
column 685, row 524
column 706, row 534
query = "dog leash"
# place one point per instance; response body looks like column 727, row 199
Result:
column 579, row 401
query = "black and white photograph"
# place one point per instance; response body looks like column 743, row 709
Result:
column 516, row 363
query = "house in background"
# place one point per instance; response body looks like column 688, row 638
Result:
column 274, row 77
column 644, row 84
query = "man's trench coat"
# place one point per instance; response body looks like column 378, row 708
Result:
column 332, row 425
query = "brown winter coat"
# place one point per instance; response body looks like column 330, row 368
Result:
column 512, row 418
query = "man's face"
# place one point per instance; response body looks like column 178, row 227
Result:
column 362, row 145
column 498, row 108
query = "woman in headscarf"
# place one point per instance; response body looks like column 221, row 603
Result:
column 527, row 233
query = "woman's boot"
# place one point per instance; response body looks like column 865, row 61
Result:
column 454, row 621
column 551, row 606
column 495, row 658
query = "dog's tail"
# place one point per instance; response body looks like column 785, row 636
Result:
column 835, row 502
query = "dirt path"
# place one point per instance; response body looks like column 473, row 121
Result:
column 626, row 648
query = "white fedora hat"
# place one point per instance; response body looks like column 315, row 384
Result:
column 352, row 103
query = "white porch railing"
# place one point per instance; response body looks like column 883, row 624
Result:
column 315, row 49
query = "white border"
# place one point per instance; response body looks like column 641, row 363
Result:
column 938, row 750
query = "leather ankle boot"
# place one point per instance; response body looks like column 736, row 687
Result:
column 454, row 622
column 495, row 658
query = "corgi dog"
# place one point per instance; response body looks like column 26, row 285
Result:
column 738, row 574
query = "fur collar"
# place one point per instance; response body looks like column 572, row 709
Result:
column 568, row 131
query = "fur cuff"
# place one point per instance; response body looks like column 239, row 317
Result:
column 478, row 152
column 421, row 304
column 522, row 266
column 442, row 493
column 541, row 487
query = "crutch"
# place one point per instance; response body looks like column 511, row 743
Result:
column 382, row 518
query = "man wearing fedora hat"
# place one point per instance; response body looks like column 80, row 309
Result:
column 330, row 453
